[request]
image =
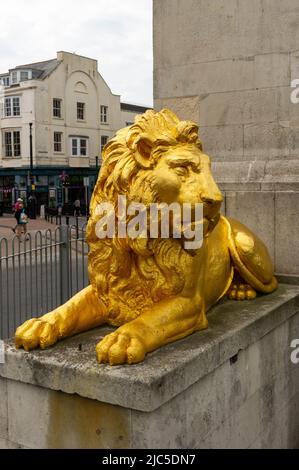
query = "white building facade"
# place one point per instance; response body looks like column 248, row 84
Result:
column 71, row 112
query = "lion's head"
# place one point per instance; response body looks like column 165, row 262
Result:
column 157, row 159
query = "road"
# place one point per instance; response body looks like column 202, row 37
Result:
column 31, row 273
column 27, row 291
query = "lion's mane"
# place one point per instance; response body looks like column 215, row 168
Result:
column 131, row 274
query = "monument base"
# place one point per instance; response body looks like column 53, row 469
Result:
column 230, row 386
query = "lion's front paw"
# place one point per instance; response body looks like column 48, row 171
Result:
column 36, row 332
column 120, row 347
column 241, row 292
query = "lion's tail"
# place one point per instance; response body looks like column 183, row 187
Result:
column 247, row 275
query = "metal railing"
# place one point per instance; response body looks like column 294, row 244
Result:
column 39, row 273
column 66, row 219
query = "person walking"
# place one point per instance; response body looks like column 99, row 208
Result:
column 22, row 220
column 77, row 205
column 16, row 207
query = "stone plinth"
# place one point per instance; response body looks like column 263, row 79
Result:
column 232, row 385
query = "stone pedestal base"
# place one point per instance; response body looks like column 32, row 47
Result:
column 232, row 385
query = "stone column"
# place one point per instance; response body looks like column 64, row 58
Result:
column 228, row 65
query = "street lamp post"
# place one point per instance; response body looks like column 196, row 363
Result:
column 31, row 153
column 32, row 205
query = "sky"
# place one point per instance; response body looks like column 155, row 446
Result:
column 118, row 33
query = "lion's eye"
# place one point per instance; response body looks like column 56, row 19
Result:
column 181, row 171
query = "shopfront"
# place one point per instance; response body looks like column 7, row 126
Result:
column 7, row 186
column 52, row 187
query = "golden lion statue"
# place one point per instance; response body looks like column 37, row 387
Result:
column 154, row 290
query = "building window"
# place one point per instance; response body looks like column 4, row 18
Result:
column 5, row 81
column 104, row 140
column 83, row 147
column 74, row 147
column 14, row 77
column 20, row 76
column 104, row 114
column 79, row 147
column 80, row 111
column 24, row 75
column 7, row 107
column 57, row 141
column 8, row 144
column 17, row 143
column 16, row 111
column 57, row 107
column 12, row 143
column 12, row 106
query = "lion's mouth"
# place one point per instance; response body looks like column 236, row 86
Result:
column 210, row 223
column 206, row 225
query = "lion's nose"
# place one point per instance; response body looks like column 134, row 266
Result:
column 211, row 205
column 209, row 200
column 211, row 197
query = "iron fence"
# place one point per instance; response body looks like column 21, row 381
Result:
column 39, row 273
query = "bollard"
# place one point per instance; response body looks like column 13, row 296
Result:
column 77, row 227
column 65, row 264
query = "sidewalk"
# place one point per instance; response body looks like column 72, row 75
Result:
column 7, row 222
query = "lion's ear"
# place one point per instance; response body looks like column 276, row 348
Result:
column 187, row 131
column 142, row 147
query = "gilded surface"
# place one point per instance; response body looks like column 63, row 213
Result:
column 154, row 290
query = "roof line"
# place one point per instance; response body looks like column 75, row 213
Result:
column 134, row 107
column 34, row 63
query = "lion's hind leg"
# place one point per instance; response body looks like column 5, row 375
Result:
column 240, row 290
column 251, row 261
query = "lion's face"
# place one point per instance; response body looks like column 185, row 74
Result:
column 183, row 175
column 159, row 159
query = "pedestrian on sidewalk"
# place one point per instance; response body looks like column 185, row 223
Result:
column 22, row 220
column 16, row 207
column 77, row 205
